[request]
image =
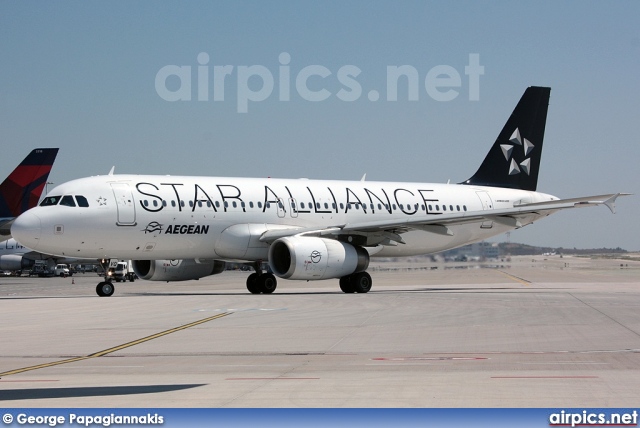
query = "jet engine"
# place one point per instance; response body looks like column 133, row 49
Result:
column 14, row 262
column 176, row 270
column 311, row 258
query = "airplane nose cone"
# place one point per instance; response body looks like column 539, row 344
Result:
column 26, row 229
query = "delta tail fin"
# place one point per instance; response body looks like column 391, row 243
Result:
column 514, row 159
column 21, row 190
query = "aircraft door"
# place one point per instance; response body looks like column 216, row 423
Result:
column 487, row 204
column 124, row 203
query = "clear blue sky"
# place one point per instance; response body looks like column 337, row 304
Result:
column 82, row 76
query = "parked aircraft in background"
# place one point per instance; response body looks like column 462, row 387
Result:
column 304, row 229
column 22, row 189
column 14, row 257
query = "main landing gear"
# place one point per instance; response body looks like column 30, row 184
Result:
column 261, row 282
column 105, row 289
column 266, row 283
column 359, row 282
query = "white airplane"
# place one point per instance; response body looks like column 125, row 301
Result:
column 304, row 229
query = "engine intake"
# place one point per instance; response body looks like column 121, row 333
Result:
column 315, row 258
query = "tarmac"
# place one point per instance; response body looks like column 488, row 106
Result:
column 543, row 331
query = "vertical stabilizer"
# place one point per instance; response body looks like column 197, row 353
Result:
column 514, row 158
column 21, row 190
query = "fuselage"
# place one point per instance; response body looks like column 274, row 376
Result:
column 171, row 217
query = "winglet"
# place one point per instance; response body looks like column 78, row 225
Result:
column 113, row 168
column 611, row 202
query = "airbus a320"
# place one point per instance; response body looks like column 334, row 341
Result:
column 178, row 227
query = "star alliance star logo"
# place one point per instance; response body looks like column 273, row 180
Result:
column 507, row 151
column 102, row 201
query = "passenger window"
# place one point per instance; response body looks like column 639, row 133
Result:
column 68, row 201
column 51, row 200
column 82, row 201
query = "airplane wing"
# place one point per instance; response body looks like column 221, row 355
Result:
column 389, row 232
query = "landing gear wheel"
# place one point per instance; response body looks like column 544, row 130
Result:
column 105, row 289
column 361, row 282
column 252, row 283
column 345, row 284
column 267, row 283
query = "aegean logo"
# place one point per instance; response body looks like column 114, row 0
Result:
column 315, row 256
column 256, row 83
column 154, row 226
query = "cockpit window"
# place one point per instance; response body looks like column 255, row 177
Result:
column 68, row 201
column 82, row 201
column 50, row 200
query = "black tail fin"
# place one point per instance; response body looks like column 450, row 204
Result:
column 23, row 187
column 514, row 159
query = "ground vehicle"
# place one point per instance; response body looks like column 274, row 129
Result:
column 120, row 270
column 62, row 270
column 40, row 270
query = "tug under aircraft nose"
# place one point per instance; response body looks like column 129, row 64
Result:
column 26, row 229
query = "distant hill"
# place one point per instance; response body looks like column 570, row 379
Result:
column 525, row 250
column 515, row 249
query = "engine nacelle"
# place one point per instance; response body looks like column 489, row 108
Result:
column 313, row 258
column 14, row 262
column 176, row 270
